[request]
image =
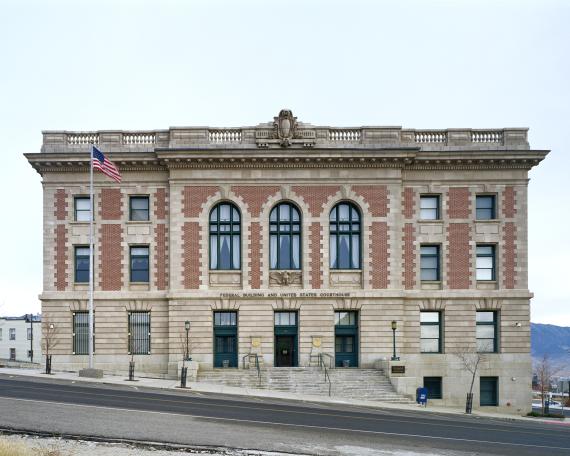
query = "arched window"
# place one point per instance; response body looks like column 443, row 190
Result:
column 285, row 237
column 344, row 237
column 225, row 237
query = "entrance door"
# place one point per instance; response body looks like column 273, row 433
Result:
column 285, row 349
column 346, row 339
column 286, row 339
column 225, row 339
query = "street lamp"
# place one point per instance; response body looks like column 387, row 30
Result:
column 187, row 328
column 394, row 327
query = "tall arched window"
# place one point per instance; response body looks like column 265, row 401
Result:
column 285, row 237
column 344, row 237
column 225, row 237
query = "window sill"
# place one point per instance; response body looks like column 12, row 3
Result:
column 138, row 222
column 437, row 221
column 81, row 286
column 431, row 284
column 139, row 286
column 487, row 220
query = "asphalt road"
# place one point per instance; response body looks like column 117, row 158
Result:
column 301, row 428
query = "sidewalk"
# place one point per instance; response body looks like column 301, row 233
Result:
column 201, row 387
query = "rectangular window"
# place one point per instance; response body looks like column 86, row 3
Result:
column 139, row 264
column 485, row 207
column 429, row 207
column 486, row 331
column 81, row 333
column 225, row 318
column 433, row 385
column 82, row 211
column 12, row 332
column 81, row 264
column 285, row 318
column 489, row 391
column 429, row 263
column 344, row 318
column 12, row 354
column 486, row 262
column 430, row 332
column 139, row 208
column 139, row 333
column 29, row 333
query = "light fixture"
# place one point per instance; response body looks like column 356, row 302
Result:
column 187, row 325
column 394, row 325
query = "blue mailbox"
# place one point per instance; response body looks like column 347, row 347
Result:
column 422, row 396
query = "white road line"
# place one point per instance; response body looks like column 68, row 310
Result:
column 238, row 420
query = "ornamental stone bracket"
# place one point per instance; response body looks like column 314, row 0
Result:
column 286, row 279
column 285, row 133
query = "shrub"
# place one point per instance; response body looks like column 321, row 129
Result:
column 547, row 415
column 14, row 448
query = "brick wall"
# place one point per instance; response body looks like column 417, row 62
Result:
column 458, row 256
column 191, row 259
column 161, row 256
column 60, row 279
column 255, row 196
column 193, row 198
column 509, row 209
column 315, row 196
column 111, row 255
column 110, row 207
column 60, row 203
column 380, row 258
column 409, row 256
column 376, row 196
column 160, row 204
column 254, row 255
column 409, row 202
column 509, row 255
column 315, row 255
column 458, row 203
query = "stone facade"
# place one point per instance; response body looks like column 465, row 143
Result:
column 382, row 171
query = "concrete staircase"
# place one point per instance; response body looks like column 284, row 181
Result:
column 352, row 383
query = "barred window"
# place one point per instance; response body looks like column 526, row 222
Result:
column 81, row 333
column 285, row 237
column 344, row 243
column 225, row 237
column 139, row 333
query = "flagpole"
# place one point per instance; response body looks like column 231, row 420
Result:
column 91, row 262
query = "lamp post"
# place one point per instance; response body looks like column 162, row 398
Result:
column 48, row 341
column 394, row 327
column 31, row 338
column 187, row 328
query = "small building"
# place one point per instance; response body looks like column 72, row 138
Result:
column 21, row 338
column 287, row 240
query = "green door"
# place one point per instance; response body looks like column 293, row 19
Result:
column 346, row 339
column 225, row 339
column 286, row 354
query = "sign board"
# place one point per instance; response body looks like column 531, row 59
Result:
column 398, row 369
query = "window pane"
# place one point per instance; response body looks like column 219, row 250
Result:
column 236, row 251
column 139, row 251
column 428, row 274
column 344, row 252
column 332, row 252
column 432, row 317
column 332, row 217
column 82, row 204
column 484, row 274
column 284, row 212
column 484, row 263
column 485, row 316
column 214, row 215
column 225, row 213
column 428, row 250
column 355, row 252
column 273, row 214
column 296, row 252
column 284, row 251
column 354, row 215
column 429, row 202
column 343, row 211
column 485, row 331
column 428, row 262
column 235, row 215
column 429, row 345
column 213, row 252
column 295, row 214
column 485, row 345
column 224, row 255
column 428, row 214
column 429, row 331
column 273, row 251
column 485, row 201
column 485, row 250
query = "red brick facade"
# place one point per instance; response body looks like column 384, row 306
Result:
column 110, row 207
column 60, row 204
column 409, row 202
column 509, row 255
column 316, row 259
column 458, row 203
column 254, row 255
column 255, row 196
column 60, row 279
column 160, row 204
column 509, row 209
column 409, row 256
column 111, row 254
column 380, row 258
column 191, row 260
column 376, row 196
column 458, row 256
column 193, row 198
column 161, row 256
column 315, row 196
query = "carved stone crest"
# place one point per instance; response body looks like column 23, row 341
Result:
column 285, row 278
column 285, row 127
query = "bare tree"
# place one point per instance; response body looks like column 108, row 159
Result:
column 470, row 359
column 544, row 371
column 49, row 340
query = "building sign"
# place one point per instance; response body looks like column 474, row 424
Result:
column 398, row 369
column 262, row 294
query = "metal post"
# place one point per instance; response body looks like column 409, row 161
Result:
column 394, row 327
column 31, row 339
column 91, row 262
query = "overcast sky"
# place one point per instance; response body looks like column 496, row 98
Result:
column 93, row 65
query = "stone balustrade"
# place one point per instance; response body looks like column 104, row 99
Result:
column 309, row 136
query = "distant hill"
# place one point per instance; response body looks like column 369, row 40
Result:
column 551, row 340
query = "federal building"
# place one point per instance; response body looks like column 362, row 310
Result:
column 382, row 248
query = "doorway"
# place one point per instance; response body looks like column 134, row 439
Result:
column 346, row 339
column 286, row 354
column 225, row 339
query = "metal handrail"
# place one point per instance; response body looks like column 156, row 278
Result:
column 323, row 365
column 256, row 356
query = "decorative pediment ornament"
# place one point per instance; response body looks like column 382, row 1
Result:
column 285, row 278
column 285, row 127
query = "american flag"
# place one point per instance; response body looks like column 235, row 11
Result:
column 105, row 165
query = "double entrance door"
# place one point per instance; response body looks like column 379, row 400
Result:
column 346, row 339
column 286, row 354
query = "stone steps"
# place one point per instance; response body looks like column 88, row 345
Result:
column 367, row 384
